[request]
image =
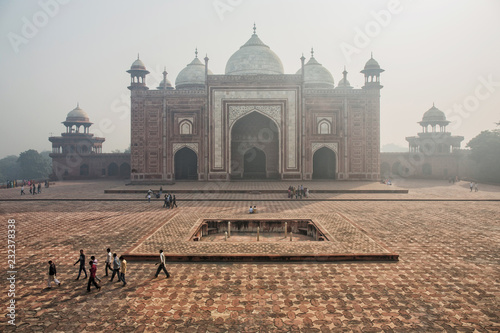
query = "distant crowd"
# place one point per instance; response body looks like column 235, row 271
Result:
column 298, row 192
column 169, row 200
column 34, row 188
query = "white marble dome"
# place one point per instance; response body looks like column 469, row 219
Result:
column 138, row 65
column 317, row 76
column 254, row 57
column 77, row 114
column 433, row 114
column 192, row 76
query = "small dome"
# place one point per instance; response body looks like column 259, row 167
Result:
column 317, row 76
column 434, row 115
column 254, row 57
column 138, row 65
column 344, row 84
column 193, row 75
column 77, row 114
column 162, row 85
column 372, row 64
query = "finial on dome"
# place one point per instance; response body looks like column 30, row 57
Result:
column 254, row 28
column 302, row 58
column 137, row 55
column 432, row 104
column 312, row 52
column 196, row 52
column 371, row 55
column 77, row 105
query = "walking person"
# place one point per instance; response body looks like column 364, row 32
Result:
column 471, row 185
column 81, row 260
column 162, row 265
column 168, row 200
column 52, row 274
column 22, row 190
column 165, row 201
column 93, row 270
column 475, row 187
column 116, row 268
column 123, row 270
column 174, row 202
column 94, row 260
column 108, row 261
column 39, row 188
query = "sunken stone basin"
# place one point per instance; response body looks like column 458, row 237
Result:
column 253, row 230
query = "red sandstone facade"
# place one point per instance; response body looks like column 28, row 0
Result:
column 255, row 122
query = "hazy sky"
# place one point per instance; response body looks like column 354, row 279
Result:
column 55, row 53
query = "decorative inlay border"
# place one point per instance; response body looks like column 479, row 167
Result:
column 237, row 111
column 191, row 145
column 332, row 145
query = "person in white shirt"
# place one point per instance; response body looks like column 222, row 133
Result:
column 108, row 261
column 162, row 265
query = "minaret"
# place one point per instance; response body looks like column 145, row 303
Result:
column 138, row 74
column 372, row 72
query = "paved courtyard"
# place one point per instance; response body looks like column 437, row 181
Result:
column 447, row 278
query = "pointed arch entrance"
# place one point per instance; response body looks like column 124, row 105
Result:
column 324, row 164
column 186, row 164
column 254, row 166
column 255, row 147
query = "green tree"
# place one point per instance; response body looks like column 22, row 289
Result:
column 485, row 151
column 33, row 165
column 8, row 168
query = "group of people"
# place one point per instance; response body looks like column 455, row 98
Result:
column 298, row 192
column 24, row 183
column 252, row 210
column 169, row 200
column 118, row 267
column 473, row 186
column 34, row 189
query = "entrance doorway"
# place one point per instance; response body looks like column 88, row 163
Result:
column 255, row 147
column 254, row 164
column 186, row 164
column 324, row 164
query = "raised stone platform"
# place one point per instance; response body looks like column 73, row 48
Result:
column 347, row 242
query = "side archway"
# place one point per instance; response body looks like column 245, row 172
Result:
column 125, row 170
column 324, row 164
column 113, row 170
column 84, row 170
column 186, row 164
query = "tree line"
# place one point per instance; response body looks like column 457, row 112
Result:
column 28, row 165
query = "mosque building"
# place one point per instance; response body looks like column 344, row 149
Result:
column 254, row 121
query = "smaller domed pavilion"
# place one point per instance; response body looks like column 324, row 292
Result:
column 434, row 138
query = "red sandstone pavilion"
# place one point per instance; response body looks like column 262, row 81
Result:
column 255, row 121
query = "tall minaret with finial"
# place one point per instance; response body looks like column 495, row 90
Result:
column 138, row 74
column 372, row 72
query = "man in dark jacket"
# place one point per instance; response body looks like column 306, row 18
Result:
column 81, row 260
column 53, row 274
